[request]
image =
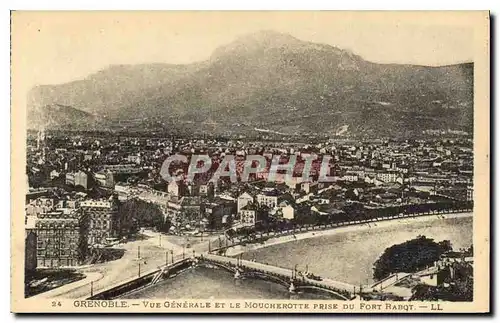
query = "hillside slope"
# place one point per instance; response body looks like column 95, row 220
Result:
column 274, row 81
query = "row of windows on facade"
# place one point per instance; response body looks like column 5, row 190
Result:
column 55, row 234
column 55, row 262
column 68, row 226
column 59, row 225
column 56, row 243
column 98, row 211
column 57, row 253
column 96, row 224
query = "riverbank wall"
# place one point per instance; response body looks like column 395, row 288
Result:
column 141, row 282
column 331, row 229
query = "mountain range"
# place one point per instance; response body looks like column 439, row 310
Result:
column 266, row 81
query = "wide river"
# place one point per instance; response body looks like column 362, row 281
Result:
column 346, row 256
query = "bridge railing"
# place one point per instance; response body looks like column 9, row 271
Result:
column 341, row 288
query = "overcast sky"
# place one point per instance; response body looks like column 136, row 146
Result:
column 65, row 46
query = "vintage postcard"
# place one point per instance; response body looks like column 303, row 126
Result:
column 245, row 162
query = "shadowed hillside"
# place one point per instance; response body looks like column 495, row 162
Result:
column 274, row 81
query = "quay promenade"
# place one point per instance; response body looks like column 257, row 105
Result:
column 99, row 281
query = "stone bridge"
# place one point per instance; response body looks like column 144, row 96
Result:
column 283, row 276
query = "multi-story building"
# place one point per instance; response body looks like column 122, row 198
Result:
column 124, row 191
column 387, row 177
column 36, row 207
column 248, row 215
column 205, row 190
column 470, row 193
column 79, row 178
column 39, row 205
column 60, row 240
column 30, row 262
column 136, row 159
column 217, row 211
column 349, row 177
column 101, row 218
column 309, row 187
column 43, row 202
column 403, row 170
column 122, row 168
column 67, row 204
column 243, row 200
column 173, row 210
column 109, row 175
column 105, row 178
column 269, row 199
column 159, row 198
column 198, row 189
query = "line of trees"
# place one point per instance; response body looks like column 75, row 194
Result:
column 134, row 214
column 349, row 213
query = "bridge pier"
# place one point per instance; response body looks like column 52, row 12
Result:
column 194, row 261
column 287, row 278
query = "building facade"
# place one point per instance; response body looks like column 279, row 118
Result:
column 248, row 216
column 387, row 177
column 470, row 193
column 101, row 218
column 243, row 200
column 30, row 262
column 79, row 178
column 105, row 178
column 59, row 239
column 267, row 200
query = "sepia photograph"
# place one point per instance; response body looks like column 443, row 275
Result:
column 250, row 161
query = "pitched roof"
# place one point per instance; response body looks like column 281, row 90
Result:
column 245, row 195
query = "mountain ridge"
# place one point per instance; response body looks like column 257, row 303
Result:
column 275, row 80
